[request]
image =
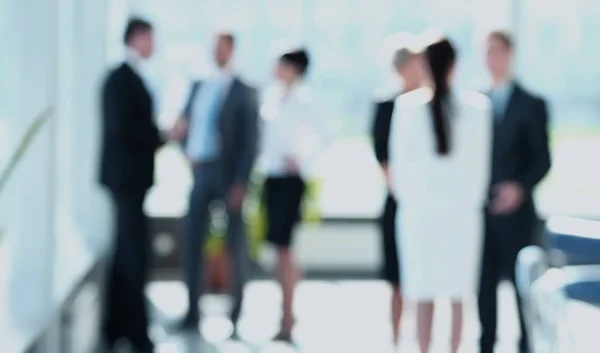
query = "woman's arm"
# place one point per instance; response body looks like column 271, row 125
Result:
column 478, row 170
column 396, row 152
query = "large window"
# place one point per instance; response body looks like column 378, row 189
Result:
column 345, row 38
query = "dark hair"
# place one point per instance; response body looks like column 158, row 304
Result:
column 228, row 37
column 136, row 26
column 504, row 37
column 440, row 56
column 297, row 58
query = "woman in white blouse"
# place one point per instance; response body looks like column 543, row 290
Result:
column 440, row 151
column 292, row 139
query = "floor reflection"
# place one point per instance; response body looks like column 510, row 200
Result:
column 331, row 316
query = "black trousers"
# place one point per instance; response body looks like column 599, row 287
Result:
column 503, row 241
column 126, row 314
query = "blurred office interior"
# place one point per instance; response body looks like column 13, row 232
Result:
column 55, row 221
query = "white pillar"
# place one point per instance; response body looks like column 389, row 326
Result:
column 83, row 229
column 31, row 228
column 90, row 207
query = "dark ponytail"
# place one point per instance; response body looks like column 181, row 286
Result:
column 441, row 57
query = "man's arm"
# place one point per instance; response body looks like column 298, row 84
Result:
column 538, row 153
column 248, row 145
column 180, row 129
column 139, row 135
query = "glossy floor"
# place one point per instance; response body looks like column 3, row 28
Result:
column 332, row 316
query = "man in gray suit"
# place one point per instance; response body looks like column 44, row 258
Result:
column 219, row 132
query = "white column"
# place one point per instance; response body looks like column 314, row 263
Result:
column 31, row 228
column 83, row 226
column 90, row 207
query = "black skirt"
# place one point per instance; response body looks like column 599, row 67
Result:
column 283, row 198
column 390, row 271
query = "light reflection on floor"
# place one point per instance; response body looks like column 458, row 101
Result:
column 332, row 316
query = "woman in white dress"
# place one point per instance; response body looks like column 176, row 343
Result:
column 440, row 150
column 292, row 138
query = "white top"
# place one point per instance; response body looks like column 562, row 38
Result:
column 291, row 127
column 138, row 64
column 420, row 177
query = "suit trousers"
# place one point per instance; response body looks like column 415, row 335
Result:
column 208, row 188
column 125, row 313
column 504, row 239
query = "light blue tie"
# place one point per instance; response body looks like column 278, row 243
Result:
column 203, row 143
column 212, row 116
column 498, row 105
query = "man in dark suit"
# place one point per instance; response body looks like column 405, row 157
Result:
column 130, row 139
column 219, row 131
column 520, row 161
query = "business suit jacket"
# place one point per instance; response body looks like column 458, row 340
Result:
column 520, row 153
column 380, row 134
column 238, row 129
column 381, row 129
column 130, row 137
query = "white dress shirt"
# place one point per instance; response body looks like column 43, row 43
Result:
column 291, row 127
column 136, row 63
column 500, row 96
column 204, row 140
column 134, row 60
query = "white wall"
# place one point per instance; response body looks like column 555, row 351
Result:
column 30, row 198
column 84, row 213
column 55, row 217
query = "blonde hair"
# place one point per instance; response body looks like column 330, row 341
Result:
column 402, row 56
column 398, row 48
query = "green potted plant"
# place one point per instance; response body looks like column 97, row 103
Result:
column 256, row 220
column 22, row 147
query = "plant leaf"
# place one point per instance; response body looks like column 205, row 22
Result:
column 24, row 144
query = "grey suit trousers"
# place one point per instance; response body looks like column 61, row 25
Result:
column 208, row 188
